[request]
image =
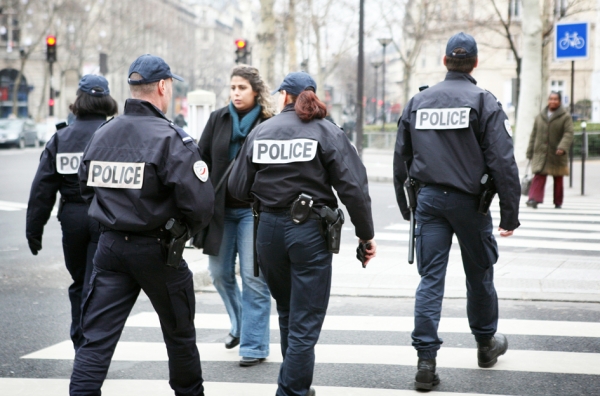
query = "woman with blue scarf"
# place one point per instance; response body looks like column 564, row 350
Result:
column 230, row 232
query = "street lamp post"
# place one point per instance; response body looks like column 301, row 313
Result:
column 384, row 42
column 376, row 65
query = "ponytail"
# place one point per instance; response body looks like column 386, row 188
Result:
column 308, row 106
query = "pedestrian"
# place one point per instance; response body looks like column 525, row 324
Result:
column 139, row 171
column 180, row 120
column 57, row 172
column 297, row 157
column 548, row 150
column 231, row 229
column 449, row 137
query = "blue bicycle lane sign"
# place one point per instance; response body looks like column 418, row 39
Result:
column 571, row 40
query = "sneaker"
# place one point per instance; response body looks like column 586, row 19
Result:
column 426, row 377
column 311, row 392
column 250, row 361
column 557, row 206
column 532, row 204
column 231, row 341
column 489, row 350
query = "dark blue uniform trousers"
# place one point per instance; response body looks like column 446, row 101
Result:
column 123, row 265
column 297, row 268
column 442, row 212
column 80, row 240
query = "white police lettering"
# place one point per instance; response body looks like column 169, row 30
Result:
column 68, row 163
column 456, row 118
column 284, row 151
column 129, row 175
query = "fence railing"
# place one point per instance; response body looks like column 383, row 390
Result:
column 387, row 140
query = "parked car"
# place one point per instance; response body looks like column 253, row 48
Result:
column 19, row 132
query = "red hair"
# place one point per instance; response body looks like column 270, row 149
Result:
column 308, row 106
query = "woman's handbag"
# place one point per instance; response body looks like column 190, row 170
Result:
column 526, row 180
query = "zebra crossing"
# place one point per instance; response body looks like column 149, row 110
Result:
column 520, row 366
column 574, row 228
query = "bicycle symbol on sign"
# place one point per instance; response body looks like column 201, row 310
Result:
column 571, row 40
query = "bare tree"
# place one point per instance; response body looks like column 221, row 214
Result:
column 291, row 35
column 531, row 81
column 266, row 37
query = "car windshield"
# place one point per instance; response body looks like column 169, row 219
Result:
column 10, row 125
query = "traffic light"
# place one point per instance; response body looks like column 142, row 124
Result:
column 241, row 51
column 51, row 49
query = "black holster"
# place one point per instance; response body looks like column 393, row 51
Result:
column 179, row 237
column 487, row 194
column 332, row 222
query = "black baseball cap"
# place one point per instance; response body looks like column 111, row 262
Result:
column 463, row 41
column 152, row 69
column 296, row 82
column 94, row 85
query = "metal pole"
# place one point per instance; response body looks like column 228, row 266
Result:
column 572, row 112
column 376, row 82
column 361, row 79
column 383, row 92
column 51, row 96
column 584, row 150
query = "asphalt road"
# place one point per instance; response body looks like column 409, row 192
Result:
column 35, row 315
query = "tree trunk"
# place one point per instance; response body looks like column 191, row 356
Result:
column 291, row 36
column 408, row 71
column 531, row 78
column 266, row 38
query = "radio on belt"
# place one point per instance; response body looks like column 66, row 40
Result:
column 301, row 208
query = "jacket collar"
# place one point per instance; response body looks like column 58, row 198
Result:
column 452, row 75
column 289, row 107
column 558, row 112
column 138, row 107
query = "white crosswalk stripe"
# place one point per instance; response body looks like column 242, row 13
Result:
column 341, row 355
column 17, row 206
column 576, row 227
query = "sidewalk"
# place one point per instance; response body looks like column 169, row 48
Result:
column 518, row 275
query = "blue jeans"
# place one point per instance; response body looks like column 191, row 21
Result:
column 297, row 267
column 442, row 212
column 250, row 309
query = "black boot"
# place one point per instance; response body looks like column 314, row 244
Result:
column 426, row 377
column 489, row 350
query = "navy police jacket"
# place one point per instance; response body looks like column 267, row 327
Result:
column 284, row 157
column 57, row 171
column 140, row 170
column 451, row 135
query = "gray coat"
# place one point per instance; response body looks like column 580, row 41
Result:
column 549, row 135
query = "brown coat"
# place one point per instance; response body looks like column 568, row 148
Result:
column 549, row 135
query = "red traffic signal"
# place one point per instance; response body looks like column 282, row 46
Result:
column 51, row 49
column 50, row 102
column 240, row 44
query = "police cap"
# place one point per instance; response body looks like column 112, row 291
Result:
column 152, row 69
column 94, row 85
column 296, row 82
column 463, row 41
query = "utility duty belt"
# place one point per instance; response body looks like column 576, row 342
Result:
column 331, row 220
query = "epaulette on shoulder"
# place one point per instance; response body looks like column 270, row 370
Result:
column 106, row 122
column 495, row 98
column 182, row 134
column 61, row 125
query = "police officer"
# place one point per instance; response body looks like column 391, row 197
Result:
column 299, row 152
column 139, row 171
column 57, row 171
column 450, row 136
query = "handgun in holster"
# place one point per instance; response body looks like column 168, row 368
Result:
column 334, row 219
column 179, row 236
column 488, row 191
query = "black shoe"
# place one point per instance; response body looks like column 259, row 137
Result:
column 231, row 341
column 311, row 392
column 489, row 350
column 557, row 206
column 426, row 377
column 250, row 361
column 532, row 204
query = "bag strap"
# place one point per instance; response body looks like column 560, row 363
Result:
column 225, row 175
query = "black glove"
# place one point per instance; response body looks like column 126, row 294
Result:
column 361, row 250
column 35, row 245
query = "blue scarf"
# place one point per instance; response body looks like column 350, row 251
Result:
column 241, row 129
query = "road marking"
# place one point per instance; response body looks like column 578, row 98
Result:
column 16, row 206
column 60, row 387
column 397, row 323
column 462, row 358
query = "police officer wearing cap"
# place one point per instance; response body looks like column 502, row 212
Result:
column 453, row 137
column 57, row 172
column 292, row 155
column 139, row 171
